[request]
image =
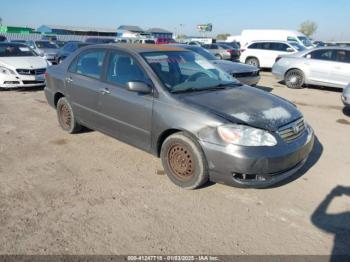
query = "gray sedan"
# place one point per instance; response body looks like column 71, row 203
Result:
column 246, row 74
column 326, row 66
column 174, row 104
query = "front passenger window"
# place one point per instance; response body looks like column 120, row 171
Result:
column 122, row 69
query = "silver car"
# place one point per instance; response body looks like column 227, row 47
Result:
column 219, row 51
column 346, row 96
column 326, row 66
column 45, row 48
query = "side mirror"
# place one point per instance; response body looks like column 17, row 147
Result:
column 308, row 56
column 290, row 50
column 139, row 87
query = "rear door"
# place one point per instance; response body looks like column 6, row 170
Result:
column 83, row 85
column 126, row 115
column 320, row 64
column 341, row 68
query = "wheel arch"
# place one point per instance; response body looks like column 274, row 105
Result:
column 168, row 132
column 57, row 96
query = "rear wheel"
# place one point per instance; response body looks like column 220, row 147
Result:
column 253, row 62
column 218, row 56
column 294, row 79
column 66, row 116
column 184, row 161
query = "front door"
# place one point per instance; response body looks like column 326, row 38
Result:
column 126, row 115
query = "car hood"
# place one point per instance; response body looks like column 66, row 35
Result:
column 31, row 62
column 232, row 67
column 246, row 105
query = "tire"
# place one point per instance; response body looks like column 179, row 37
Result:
column 218, row 56
column 294, row 79
column 253, row 61
column 184, row 161
column 66, row 117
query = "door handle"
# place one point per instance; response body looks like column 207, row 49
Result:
column 69, row 80
column 105, row 91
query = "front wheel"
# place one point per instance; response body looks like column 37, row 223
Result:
column 184, row 161
column 66, row 116
column 294, row 79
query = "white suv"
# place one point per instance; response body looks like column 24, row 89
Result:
column 264, row 53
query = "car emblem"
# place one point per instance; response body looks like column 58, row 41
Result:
column 296, row 129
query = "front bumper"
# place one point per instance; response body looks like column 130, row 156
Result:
column 17, row 81
column 278, row 72
column 345, row 99
column 249, row 80
column 257, row 167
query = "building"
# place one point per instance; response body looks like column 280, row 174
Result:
column 159, row 32
column 131, row 31
column 15, row 29
column 77, row 30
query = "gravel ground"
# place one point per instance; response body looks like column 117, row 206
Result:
column 90, row 194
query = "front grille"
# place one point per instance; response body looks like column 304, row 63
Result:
column 246, row 74
column 292, row 131
column 28, row 82
column 32, row 72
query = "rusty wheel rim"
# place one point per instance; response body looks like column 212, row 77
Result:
column 181, row 162
column 65, row 116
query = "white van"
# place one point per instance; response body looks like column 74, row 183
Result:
column 251, row 35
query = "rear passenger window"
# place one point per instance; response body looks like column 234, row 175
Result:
column 89, row 64
column 342, row 56
column 122, row 69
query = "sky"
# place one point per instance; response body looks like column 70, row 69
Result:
column 227, row 16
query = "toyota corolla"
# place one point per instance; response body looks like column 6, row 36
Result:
column 174, row 104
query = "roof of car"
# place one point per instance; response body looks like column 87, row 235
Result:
column 142, row 48
column 332, row 47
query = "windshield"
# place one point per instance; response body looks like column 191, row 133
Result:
column 306, row 41
column 203, row 52
column 186, row 71
column 8, row 50
column 45, row 44
column 297, row 46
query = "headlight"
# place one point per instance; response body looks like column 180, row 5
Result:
column 246, row 136
column 6, row 71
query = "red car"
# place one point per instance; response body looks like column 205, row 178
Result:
column 164, row 41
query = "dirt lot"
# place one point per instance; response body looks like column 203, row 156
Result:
column 90, row 194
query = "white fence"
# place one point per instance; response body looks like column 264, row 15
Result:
column 28, row 37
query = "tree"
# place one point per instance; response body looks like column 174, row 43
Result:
column 181, row 37
column 308, row 28
column 222, row 36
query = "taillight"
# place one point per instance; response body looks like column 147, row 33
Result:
column 46, row 75
column 230, row 51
